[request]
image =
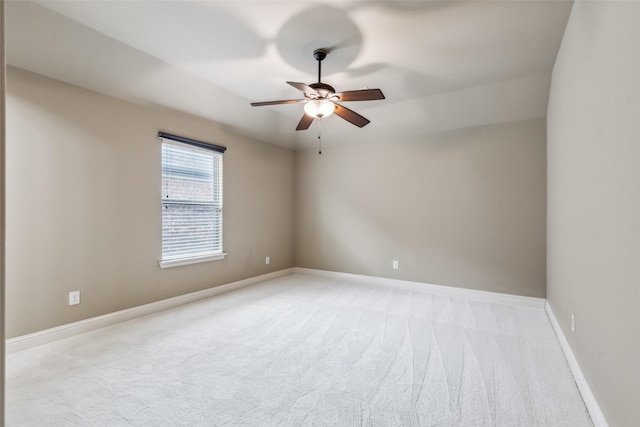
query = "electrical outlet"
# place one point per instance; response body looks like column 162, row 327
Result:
column 395, row 265
column 573, row 323
column 74, row 298
column 267, row 260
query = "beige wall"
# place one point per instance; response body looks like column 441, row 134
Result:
column 594, row 200
column 84, row 213
column 462, row 208
column 2, row 208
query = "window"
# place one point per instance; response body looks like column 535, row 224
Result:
column 191, row 201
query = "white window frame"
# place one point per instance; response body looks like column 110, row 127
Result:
column 197, row 148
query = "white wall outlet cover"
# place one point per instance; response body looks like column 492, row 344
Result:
column 395, row 265
column 74, row 298
column 267, row 260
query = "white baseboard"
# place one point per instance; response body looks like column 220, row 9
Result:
column 448, row 291
column 24, row 342
column 587, row 395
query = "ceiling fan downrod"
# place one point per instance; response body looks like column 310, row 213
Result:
column 319, row 55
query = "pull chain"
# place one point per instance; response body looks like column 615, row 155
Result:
column 319, row 136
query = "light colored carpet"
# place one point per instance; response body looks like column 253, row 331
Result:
column 304, row 351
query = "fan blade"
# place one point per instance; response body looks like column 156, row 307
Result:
column 288, row 101
column 303, row 87
column 361, row 95
column 351, row 116
column 305, row 122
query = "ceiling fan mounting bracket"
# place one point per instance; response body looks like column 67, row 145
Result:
column 320, row 54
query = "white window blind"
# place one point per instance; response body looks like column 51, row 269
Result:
column 191, row 201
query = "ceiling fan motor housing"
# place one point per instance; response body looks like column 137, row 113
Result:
column 323, row 89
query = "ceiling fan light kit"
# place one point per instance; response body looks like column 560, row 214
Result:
column 319, row 108
column 321, row 100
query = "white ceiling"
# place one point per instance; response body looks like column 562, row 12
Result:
column 441, row 65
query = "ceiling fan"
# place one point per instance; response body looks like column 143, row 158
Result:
column 321, row 100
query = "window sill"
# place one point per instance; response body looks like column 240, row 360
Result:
column 194, row 260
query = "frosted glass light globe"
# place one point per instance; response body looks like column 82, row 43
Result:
column 319, row 108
